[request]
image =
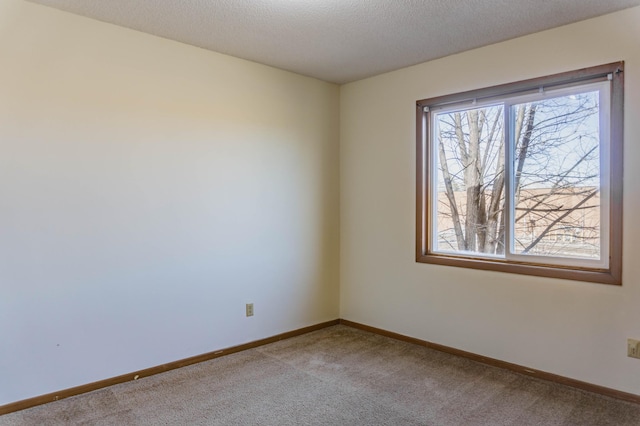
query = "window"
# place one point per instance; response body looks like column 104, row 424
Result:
column 525, row 177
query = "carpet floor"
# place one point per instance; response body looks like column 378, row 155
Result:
column 335, row 376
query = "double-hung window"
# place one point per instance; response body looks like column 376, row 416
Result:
column 525, row 177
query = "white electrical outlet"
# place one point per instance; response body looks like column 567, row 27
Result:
column 249, row 309
column 633, row 348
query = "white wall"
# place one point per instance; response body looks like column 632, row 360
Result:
column 148, row 190
column 574, row 329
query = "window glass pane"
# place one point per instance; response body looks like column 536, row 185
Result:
column 557, row 176
column 469, row 195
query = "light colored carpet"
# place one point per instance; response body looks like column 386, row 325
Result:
column 335, row 376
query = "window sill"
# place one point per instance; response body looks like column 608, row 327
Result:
column 588, row 275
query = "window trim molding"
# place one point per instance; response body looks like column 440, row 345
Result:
column 613, row 273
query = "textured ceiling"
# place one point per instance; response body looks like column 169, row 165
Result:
column 339, row 40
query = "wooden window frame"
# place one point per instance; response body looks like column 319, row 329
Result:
column 612, row 274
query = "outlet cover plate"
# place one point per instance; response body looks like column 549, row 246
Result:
column 633, row 348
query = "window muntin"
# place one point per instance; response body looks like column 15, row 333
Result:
column 535, row 161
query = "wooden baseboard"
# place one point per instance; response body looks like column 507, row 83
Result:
column 625, row 396
column 66, row 393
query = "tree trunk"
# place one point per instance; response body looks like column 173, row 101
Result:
column 451, row 196
column 473, row 180
column 524, row 147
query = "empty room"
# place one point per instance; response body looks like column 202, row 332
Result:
column 313, row 212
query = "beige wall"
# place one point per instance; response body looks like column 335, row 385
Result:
column 148, row 190
column 574, row 329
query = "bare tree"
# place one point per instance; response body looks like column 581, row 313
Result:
column 556, row 177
